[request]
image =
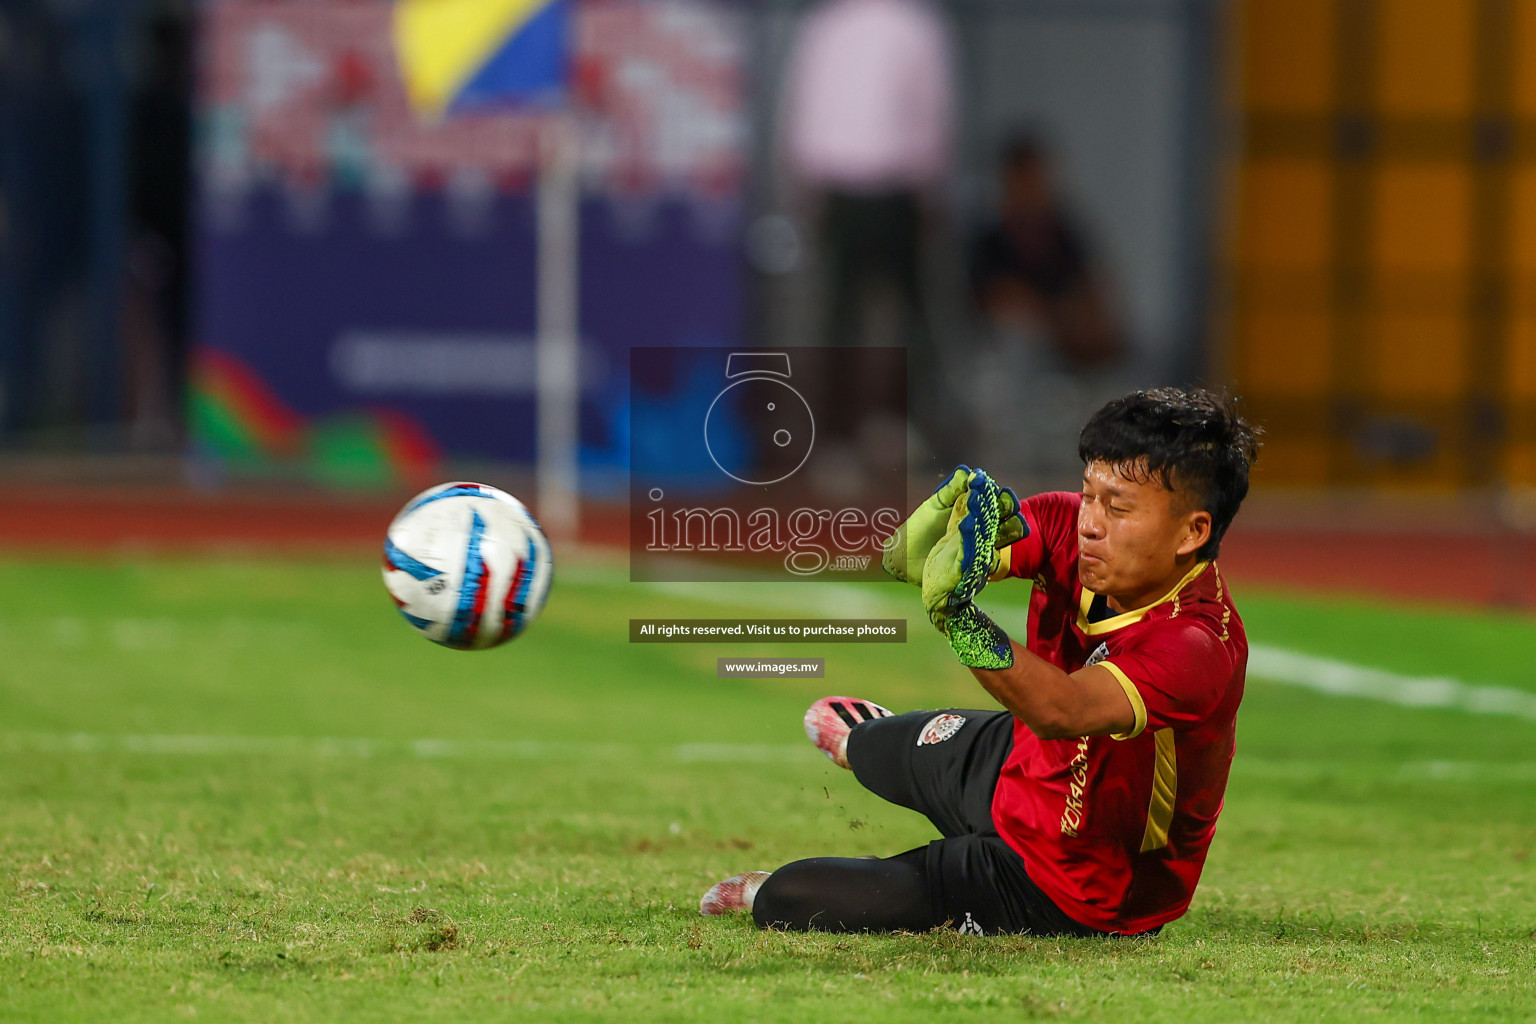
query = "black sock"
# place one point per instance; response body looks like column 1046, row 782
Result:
column 842, row 894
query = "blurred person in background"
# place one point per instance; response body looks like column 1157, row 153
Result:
column 155, row 331
column 45, row 253
column 1033, row 274
column 94, row 175
column 1053, row 345
column 867, row 134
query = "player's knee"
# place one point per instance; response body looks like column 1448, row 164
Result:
column 788, row 898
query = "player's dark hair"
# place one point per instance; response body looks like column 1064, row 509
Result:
column 1192, row 441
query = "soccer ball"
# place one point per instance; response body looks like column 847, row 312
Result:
column 467, row 565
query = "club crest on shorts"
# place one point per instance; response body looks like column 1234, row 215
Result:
column 939, row 729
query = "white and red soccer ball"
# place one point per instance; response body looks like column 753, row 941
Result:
column 467, row 565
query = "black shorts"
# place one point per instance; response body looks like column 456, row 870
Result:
column 944, row 765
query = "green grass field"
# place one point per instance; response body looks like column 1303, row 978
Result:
column 215, row 802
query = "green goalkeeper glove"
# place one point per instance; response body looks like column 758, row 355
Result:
column 959, row 564
column 993, row 509
column 976, row 639
column 906, row 550
column 957, row 569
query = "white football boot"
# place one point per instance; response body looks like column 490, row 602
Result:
column 733, row 895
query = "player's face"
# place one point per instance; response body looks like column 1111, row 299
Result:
column 1135, row 537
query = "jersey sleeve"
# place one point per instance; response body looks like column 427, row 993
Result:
column 1052, row 520
column 1175, row 677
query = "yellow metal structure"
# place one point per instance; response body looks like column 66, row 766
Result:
column 1383, row 266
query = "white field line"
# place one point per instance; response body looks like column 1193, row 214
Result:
column 834, row 600
column 1408, row 771
column 427, row 749
column 1265, row 663
column 170, row 745
column 1341, row 679
column 804, row 600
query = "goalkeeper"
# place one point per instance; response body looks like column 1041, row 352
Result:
column 1086, row 806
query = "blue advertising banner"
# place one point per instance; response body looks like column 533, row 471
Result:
column 366, row 276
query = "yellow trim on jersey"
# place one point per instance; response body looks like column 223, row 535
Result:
column 1137, row 704
column 1165, row 786
column 1126, row 618
column 1004, row 565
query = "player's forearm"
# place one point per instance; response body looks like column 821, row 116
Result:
column 1037, row 693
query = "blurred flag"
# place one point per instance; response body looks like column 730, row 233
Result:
column 456, row 55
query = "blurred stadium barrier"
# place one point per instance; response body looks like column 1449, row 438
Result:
column 1383, row 315
column 1374, row 242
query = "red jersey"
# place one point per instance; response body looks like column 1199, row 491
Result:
column 1115, row 829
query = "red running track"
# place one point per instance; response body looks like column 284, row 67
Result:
column 1490, row 569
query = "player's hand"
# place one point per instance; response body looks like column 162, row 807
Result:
column 906, row 551
column 960, row 563
column 958, row 568
column 1010, row 530
column 990, row 558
